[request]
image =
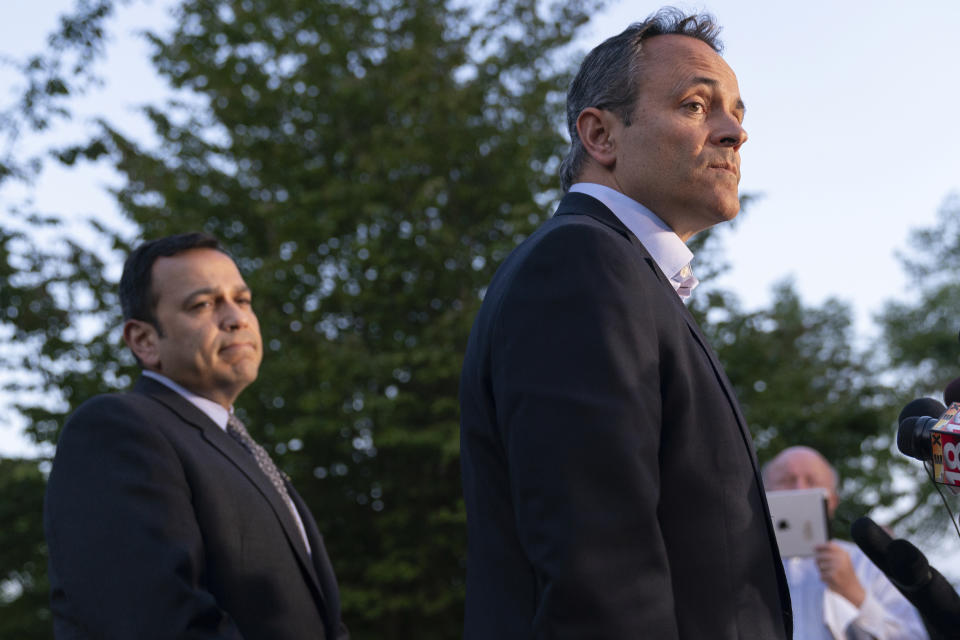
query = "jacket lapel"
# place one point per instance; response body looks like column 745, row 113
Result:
column 582, row 204
column 329, row 593
column 232, row 450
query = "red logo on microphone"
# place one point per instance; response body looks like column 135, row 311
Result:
column 945, row 443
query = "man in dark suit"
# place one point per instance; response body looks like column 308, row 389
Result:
column 611, row 485
column 163, row 518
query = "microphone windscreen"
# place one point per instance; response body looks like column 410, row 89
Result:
column 922, row 407
column 952, row 393
column 872, row 540
column 925, row 588
column 907, row 564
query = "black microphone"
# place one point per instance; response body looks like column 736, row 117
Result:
column 923, row 407
column 911, row 573
column 933, row 596
column 952, row 393
column 916, row 420
column 872, row 540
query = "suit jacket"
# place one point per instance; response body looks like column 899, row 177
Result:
column 611, row 485
column 160, row 525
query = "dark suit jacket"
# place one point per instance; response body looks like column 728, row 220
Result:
column 611, row 486
column 160, row 525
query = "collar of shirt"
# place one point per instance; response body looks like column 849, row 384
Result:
column 211, row 409
column 664, row 246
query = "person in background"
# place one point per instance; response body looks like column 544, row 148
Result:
column 839, row 593
column 163, row 517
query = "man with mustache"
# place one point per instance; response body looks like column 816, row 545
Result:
column 163, row 518
column 611, row 485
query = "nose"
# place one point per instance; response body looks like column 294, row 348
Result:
column 730, row 132
column 233, row 316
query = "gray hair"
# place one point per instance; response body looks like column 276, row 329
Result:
column 767, row 468
column 609, row 76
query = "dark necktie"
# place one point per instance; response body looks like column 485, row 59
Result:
column 239, row 433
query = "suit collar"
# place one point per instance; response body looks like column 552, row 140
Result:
column 328, row 592
column 582, row 204
column 230, row 448
column 171, row 399
column 661, row 242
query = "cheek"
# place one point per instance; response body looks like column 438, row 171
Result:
column 206, row 347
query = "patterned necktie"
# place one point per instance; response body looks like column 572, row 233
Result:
column 239, row 433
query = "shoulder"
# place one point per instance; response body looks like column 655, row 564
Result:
column 575, row 246
column 109, row 401
column 576, row 271
column 582, row 227
column 123, row 406
column 105, row 419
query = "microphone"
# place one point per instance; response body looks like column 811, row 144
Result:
column 930, row 439
column 924, row 407
column 916, row 420
column 872, row 540
column 952, row 393
column 911, row 573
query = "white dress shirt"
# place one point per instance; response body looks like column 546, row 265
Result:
column 219, row 415
column 664, row 246
column 821, row 614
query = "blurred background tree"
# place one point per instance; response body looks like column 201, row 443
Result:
column 801, row 379
column 920, row 335
column 368, row 165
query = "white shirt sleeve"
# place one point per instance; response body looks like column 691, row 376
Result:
column 884, row 615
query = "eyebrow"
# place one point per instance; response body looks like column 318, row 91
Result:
column 713, row 84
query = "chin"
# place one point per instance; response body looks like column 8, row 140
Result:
column 729, row 214
column 727, row 209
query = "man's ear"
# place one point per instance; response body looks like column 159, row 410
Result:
column 142, row 338
column 595, row 128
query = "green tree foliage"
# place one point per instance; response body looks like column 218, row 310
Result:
column 50, row 286
column 23, row 577
column 368, row 164
column 920, row 335
column 801, row 379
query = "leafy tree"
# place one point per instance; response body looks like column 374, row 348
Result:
column 368, row 164
column 50, row 285
column 920, row 335
column 64, row 70
column 800, row 380
column 23, row 577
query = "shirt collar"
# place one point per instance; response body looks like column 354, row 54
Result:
column 664, row 246
column 211, row 409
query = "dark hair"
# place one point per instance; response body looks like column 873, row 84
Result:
column 137, row 298
column 609, row 77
